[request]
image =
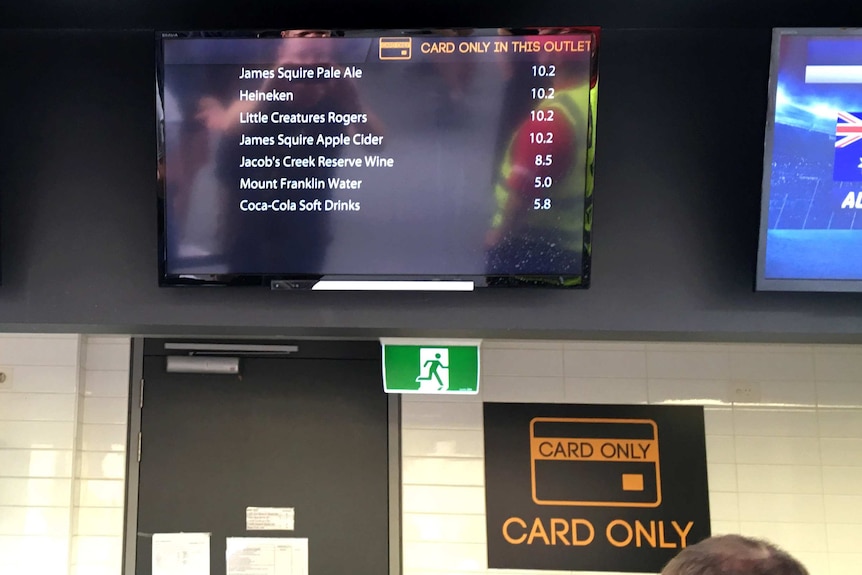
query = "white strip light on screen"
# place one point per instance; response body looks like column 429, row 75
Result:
column 400, row 285
column 833, row 74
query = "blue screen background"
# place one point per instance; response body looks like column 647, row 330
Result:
column 809, row 234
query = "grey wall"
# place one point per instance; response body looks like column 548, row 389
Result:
column 679, row 157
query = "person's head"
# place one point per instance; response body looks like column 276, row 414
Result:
column 733, row 555
column 307, row 49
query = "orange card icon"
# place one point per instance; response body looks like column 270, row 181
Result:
column 595, row 462
column 396, row 48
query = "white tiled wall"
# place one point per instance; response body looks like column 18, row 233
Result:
column 57, row 494
column 97, row 537
column 787, row 467
column 38, row 407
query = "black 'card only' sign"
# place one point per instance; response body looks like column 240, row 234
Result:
column 593, row 487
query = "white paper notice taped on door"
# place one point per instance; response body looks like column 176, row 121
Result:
column 181, row 554
column 269, row 518
column 267, row 556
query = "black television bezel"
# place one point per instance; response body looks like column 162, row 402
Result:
column 291, row 281
column 762, row 282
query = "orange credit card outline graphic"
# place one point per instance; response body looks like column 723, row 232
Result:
column 396, row 48
column 595, row 462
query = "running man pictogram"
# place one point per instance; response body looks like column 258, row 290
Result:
column 433, row 365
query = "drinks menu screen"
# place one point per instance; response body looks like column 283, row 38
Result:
column 436, row 154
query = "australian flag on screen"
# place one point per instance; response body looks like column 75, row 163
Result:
column 848, row 147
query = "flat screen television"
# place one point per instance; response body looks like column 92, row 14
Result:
column 377, row 159
column 811, row 214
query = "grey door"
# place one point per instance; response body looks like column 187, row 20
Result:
column 308, row 432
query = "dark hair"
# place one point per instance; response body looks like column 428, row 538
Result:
column 733, row 555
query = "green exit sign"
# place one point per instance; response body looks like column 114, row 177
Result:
column 430, row 366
